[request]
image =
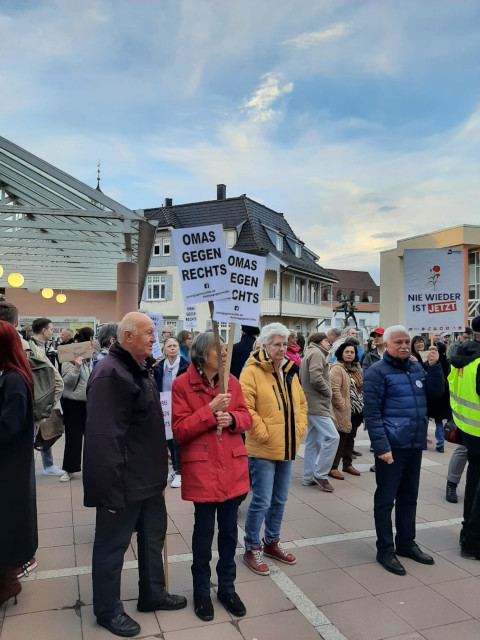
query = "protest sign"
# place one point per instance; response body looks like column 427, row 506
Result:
column 166, row 402
column 434, row 289
column 246, row 273
column 202, row 263
column 190, row 317
column 157, row 320
column 70, row 352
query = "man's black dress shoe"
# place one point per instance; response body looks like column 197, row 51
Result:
column 169, row 603
column 415, row 553
column 232, row 603
column 390, row 562
column 204, row 609
column 121, row 625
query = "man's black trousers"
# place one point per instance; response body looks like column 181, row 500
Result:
column 397, row 484
column 113, row 534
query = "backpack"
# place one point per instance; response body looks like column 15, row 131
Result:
column 43, row 384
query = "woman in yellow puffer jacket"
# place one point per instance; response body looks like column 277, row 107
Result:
column 278, row 407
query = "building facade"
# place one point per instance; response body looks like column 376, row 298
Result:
column 297, row 291
column 392, row 309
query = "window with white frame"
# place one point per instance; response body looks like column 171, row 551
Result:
column 279, row 243
column 171, row 322
column 272, row 290
column 156, row 249
column 298, row 250
column 230, row 237
column 223, row 330
column 156, row 288
column 314, row 294
column 166, row 246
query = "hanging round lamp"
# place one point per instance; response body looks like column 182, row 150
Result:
column 61, row 298
column 47, row 293
column 15, row 279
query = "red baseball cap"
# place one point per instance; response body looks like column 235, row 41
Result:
column 379, row 331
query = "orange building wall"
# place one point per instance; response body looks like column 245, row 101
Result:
column 98, row 304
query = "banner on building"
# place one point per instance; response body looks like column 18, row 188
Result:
column 434, row 289
column 246, row 273
column 201, row 258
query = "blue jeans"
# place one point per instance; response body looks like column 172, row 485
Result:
column 439, row 437
column 270, row 481
column 321, row 446
column 47, row 458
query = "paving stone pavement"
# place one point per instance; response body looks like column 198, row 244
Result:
column 335, row 591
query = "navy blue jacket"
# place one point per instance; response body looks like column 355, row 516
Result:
column 159, row 370
column 395, row 395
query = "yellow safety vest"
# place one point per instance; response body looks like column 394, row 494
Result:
column 464, row 401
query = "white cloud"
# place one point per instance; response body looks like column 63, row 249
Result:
column 314, row 38
column 268, row 92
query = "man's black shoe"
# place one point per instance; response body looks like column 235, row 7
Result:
column 121, row 625
column 169, row 603
column 390, row 562
column 232, row 603
column 451, row 492
column 415, row 553
column 469, row 554
column 204, row 609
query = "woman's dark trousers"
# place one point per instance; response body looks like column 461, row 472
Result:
column 74, row 418
column 202, row 546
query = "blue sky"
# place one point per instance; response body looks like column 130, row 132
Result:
column 359, row 120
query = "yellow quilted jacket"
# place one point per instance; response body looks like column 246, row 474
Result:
column 277, row 405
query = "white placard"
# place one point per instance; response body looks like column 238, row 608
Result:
column 202, row 263
column 70, row 352
column 166, row 402
column 246, row 273
column 190, row 317
column 434, row 289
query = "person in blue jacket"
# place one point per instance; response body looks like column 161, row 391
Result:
column 395, row 394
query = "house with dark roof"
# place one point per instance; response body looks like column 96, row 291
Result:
column 359, row 287
column 297, row 291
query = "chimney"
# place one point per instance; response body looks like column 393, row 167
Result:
column 221, row 191
column 168, row 202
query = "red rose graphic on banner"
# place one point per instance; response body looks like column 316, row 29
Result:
column 434, row 275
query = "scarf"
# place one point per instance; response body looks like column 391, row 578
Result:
column 356, row 387
column 170, row 373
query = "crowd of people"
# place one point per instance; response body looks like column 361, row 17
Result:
column 125, row 414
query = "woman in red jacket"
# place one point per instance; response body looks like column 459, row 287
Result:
column 208, row 425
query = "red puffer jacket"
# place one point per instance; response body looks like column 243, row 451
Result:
column 214, row 468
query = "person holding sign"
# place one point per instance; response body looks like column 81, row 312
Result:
column 165, row 372
column 209, row 425
column 74, row 404
column 278, row 407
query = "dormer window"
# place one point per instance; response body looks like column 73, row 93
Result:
column 298, row 251
column 279, row 243
column 230, row 236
